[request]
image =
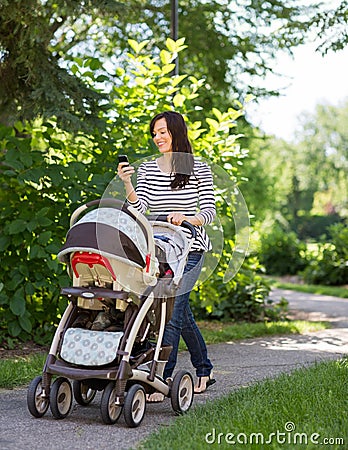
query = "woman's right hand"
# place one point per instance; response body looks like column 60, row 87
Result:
column 125, row 172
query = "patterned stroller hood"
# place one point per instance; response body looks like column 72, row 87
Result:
column 110, row 232
column 117, row 235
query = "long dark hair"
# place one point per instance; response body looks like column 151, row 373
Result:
column 182, row 156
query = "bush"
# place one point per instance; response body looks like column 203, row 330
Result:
column 329, row 264
column 245, row 297
column 281, row 252
column 313, row 227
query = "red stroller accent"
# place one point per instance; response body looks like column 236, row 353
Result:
column 110, row 336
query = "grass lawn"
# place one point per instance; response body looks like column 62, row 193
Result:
column 307, row 409
column 18, row 371
column 335, row 291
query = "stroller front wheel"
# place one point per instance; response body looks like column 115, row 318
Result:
column 37, row 404
column 61, row 398
column 181, row 394
column 134, row 405
column 110, row 411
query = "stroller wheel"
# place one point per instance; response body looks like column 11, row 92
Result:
column 181, row 393
column 110, row 412
column 61, row 398
column 83, row 394
column 134, row 405
column 37, row 404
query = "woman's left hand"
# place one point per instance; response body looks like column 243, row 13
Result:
column 176, row 218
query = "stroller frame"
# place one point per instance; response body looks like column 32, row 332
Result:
column 138, row 364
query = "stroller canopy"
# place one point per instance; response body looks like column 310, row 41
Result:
column 110, row 232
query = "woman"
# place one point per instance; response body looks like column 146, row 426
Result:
column 175, row 184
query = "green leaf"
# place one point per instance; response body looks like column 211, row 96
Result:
column 95, row 64
column 36, row 252
column 213, row 124
column 168, row 68
column 179, row 100
column 101, row 78
column 11, row 157
column 171, row 45
column 14, row 328
column 17, row 304
column 4, row 243
column 44, row 237
column 166, row 57
column 25, row 323
column 26, row 159
column 29, row 289
column 178, row 79
column 17, row 226
column 44, row 221
column 137, row 47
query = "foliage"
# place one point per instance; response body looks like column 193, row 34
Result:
column 39, row 42
column 242, row 298
column 46, row 172
column 331, row 26
column 322, row 146
column 281, row 252
column 329, row 265
column 302, row 183
column 40, row 176
column 33, row 79
column 313, row 226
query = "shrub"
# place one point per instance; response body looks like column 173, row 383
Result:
column 242, row 298
column 281, row 252
column 313, row 227
column 329, row 264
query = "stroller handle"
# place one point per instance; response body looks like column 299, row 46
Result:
column 185, row 224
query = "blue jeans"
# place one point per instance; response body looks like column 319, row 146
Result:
column 183, row 323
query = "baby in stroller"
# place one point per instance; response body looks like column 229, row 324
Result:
column 125, row 271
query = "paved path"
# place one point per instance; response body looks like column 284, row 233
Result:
column 236, row 364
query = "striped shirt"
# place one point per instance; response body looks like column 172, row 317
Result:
column 156, row 196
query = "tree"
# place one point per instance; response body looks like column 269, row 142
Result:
column 229, row 45
column 323, row 143
column 332, row 28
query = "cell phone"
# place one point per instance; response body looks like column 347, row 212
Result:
column 123, row 159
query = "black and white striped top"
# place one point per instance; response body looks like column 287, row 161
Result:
column 156, row 196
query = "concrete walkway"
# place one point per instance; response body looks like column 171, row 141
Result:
column 237, row 364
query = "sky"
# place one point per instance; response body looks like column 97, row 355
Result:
column 310, row 79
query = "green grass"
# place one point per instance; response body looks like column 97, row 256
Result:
column 19, row 371
column 216, row 332
column 313, row 400
column 335, row 291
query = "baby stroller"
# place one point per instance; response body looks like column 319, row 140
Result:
column 109, row 338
